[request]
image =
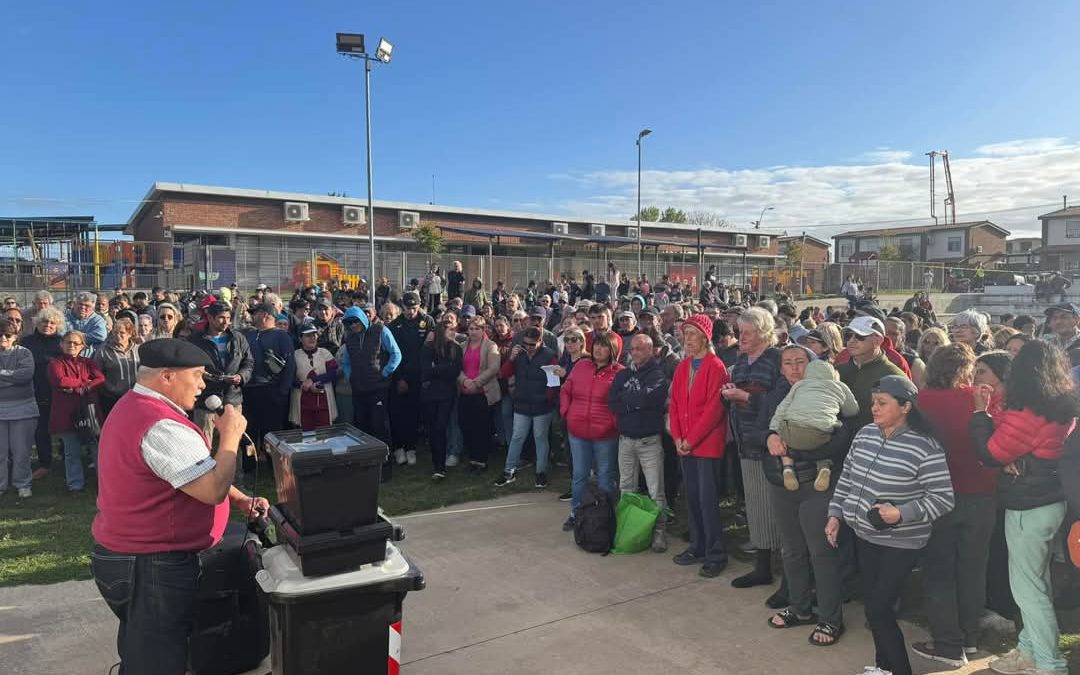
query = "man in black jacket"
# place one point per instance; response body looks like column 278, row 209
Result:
column 410, row 329
column 638, row 397
column 331, row 328
column 229, row 351
column 534, row 403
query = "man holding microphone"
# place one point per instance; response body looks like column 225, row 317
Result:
column 162, row 499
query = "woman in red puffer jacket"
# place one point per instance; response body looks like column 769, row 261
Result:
column 590, row 424
column 1026, row 442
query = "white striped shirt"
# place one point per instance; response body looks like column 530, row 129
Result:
column 175, row 452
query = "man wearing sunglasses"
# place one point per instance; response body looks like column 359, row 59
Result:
column 863, row 338
column 534, row 403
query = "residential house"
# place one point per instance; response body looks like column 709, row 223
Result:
column 1022, row 253
column 1061, row 239
column 958, row 243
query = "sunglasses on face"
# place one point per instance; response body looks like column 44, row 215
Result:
column 848, row 335
column 574, row 339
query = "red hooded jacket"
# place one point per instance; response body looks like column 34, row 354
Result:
column 583, row 401
column 697, row 414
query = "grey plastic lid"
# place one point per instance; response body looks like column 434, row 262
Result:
column 281, row 577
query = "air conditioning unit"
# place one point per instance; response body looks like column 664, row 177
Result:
column 408, row 220
column 763, row 241
column 740, row 240
column 560, row 228
column 597, row 230
column 353, row 215
column 631, row 233
column 296, row 211
column 978, row 249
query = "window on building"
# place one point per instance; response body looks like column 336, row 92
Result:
column 954, row 244
column 870, row 244
column 1072, row 229
column 1025, row 246
column 845, row 251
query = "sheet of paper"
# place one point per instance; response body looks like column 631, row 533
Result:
column 552, row 378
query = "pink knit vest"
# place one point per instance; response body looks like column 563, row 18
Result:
column 138, row 512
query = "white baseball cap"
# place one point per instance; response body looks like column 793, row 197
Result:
column 866, row 325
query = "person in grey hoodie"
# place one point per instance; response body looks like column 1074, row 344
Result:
column 18, row 410
column 894, row 485
column 809, row 415
column 118, row 359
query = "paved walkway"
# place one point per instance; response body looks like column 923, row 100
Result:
column 507, row 592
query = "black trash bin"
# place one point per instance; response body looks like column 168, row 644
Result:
column 344, row 623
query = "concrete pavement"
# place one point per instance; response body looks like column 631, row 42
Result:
column 507, row 592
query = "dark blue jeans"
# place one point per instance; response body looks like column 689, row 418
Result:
column 703, row 508
column 153, row 595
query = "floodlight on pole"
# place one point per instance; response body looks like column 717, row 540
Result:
column 757, row 223
column 641, row 134
column 352, row 46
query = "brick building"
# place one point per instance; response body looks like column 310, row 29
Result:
column 215, row 235
column 959, row 243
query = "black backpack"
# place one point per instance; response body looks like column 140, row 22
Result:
column 594, row 521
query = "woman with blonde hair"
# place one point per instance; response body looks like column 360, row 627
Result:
column 118, row 360
column 930, row 340
column 755, row 374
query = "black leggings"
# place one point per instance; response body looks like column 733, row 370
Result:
column 474, row 418
column 436, row 419
column 884, row 572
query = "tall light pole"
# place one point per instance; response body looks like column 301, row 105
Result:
column 641, row 134
column 757, row 223
column 352, row 46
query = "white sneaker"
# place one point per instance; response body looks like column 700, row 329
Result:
column 1015, row 662
column 399, row 456
column 410, row 457
column 25, row 493
column 452, row 460
column 874, row 670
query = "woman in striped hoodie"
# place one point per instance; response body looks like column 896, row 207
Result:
column 894, row 484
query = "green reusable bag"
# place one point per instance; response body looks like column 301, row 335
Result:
column 635, row 518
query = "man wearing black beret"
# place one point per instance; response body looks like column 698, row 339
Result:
column 161, row 499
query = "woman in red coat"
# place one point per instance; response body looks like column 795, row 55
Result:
column 73, row 378
column 590, row 424
column 698, row 423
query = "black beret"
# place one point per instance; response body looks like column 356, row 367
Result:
column 172, row 353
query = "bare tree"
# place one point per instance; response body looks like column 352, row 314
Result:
column 703, row 218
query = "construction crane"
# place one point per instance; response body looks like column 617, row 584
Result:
column 950, row 200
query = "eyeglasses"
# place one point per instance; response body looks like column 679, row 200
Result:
column 574, row 339
column 849, row 334
column 74, row 343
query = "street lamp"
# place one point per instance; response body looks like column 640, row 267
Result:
column 352, row 46
column 641, row 134
column 757, row 223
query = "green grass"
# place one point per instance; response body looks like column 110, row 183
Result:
column 46, row 539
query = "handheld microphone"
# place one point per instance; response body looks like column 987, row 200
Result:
column 214, row 404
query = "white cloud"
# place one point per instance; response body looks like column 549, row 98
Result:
column 884, row 156
column 1009, row 183
column 1026, row 146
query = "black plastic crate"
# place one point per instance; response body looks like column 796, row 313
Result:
column 327, row 479
column 335, row 552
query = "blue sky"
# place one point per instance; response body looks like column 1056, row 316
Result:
column 823, row 109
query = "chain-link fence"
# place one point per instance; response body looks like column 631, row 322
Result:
column 291, row 265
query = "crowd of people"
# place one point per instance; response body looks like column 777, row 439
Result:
column 858, row 443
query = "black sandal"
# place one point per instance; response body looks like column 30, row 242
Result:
column 827, row 629
column 791, row 619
